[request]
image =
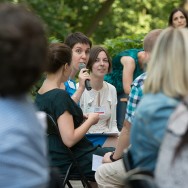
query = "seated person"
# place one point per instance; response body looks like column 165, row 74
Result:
column 172, row 170
column 137, row 85
column 162, row 95
column 102, row 98
column 23, row 149
column 72, row 125
column 127, row 66
column 136, row 93
column 80, row 45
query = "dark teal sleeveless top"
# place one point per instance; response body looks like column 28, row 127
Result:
column 115, row 77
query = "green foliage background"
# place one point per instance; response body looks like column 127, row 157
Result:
column 102, row 19
column 116, row 45
column 116, row 24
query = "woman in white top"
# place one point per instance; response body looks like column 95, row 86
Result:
column 102, row 98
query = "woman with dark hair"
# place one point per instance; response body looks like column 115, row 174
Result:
column 23, row 154
column 102, row 98
column 72, row 125
column 178, row 18
column 80, row 45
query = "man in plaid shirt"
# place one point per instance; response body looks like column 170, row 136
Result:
column 112, row 173
column 135, row 96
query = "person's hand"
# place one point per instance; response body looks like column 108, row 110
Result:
column 106, row 158
column 83, row 75
column 93, row 118
column 85, row 116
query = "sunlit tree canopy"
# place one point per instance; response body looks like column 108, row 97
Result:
column 102, row 19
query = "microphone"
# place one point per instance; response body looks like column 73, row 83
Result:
column 87, row 81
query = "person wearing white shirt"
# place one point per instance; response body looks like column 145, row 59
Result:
column 102, row 98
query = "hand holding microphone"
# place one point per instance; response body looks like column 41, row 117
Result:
column 87, row 81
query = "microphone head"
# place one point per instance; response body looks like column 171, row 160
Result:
column 82, row 65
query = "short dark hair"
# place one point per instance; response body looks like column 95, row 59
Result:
column 94, row 52
column 172, row 14
column 75, row 38
column 22, row 49
column 58, row 55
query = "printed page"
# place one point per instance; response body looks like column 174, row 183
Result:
column 97, row 161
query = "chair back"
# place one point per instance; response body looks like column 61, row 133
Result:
column 140, row 178
column 53, row 129
column 127, row 160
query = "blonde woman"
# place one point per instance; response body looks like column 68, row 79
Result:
column 166, row 84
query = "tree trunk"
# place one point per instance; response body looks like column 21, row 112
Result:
column 184, row 4
column 98, row 17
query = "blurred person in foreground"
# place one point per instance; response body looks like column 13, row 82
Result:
column 166, row 84
column 171, row 169
column 23, row 156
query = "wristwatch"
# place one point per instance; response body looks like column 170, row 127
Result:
column 111, row 157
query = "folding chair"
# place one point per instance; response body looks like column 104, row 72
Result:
column 127, row 160
column 140, row 178
column 52, row 129
column 55, row 180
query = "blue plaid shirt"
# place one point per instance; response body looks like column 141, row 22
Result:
column 135, row 96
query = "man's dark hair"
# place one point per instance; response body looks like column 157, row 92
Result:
column 75, row 38
column 23, row 49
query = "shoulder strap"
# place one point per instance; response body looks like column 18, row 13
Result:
column 178, row 122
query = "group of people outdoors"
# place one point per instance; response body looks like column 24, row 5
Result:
column 154, row 80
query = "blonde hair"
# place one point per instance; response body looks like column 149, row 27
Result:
column 167, row 69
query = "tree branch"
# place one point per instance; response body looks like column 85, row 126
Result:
column 98, row 17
